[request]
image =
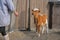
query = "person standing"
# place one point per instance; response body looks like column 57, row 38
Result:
column 5, row 7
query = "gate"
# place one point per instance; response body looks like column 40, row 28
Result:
column 54, row 20
column 56, row 15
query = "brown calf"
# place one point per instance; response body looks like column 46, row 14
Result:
column 40, row 20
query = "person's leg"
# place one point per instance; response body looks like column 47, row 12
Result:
column 6, row 37
column 3, row 32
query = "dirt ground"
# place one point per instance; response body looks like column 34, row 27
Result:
column 53, row 34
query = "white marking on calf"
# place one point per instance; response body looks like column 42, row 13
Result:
column 40, row 14
column 45, row 28
column 35, row 9
column 47, row 25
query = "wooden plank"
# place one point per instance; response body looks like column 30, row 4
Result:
column 21, row 8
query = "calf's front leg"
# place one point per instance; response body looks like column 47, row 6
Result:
column 38, row 30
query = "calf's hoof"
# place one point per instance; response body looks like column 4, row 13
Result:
column 38, row 35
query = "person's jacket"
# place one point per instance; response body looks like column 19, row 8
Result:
column 5, row 6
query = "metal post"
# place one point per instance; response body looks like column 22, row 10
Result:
column 29, row 17
column 50, row 14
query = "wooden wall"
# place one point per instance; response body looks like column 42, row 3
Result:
column 22, row 10
column 56, row 17
column 22, row 7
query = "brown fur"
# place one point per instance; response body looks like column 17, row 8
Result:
column 39, row 20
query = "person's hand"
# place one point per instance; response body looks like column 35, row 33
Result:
column 16, row 13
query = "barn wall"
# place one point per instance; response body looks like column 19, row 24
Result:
column 12, row 25
column 22, row 10
column 12, row 19
column 56, row 17
column 22, row 7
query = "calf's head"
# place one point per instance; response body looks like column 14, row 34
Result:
column 35, row 12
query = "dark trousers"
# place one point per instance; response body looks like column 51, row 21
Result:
column 2, row 31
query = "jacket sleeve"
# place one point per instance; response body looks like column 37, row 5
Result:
column 10, row 5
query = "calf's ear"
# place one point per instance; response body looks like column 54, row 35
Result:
column 39, row 11
column 32, row 9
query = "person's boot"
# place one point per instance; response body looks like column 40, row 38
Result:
column 6, row 37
